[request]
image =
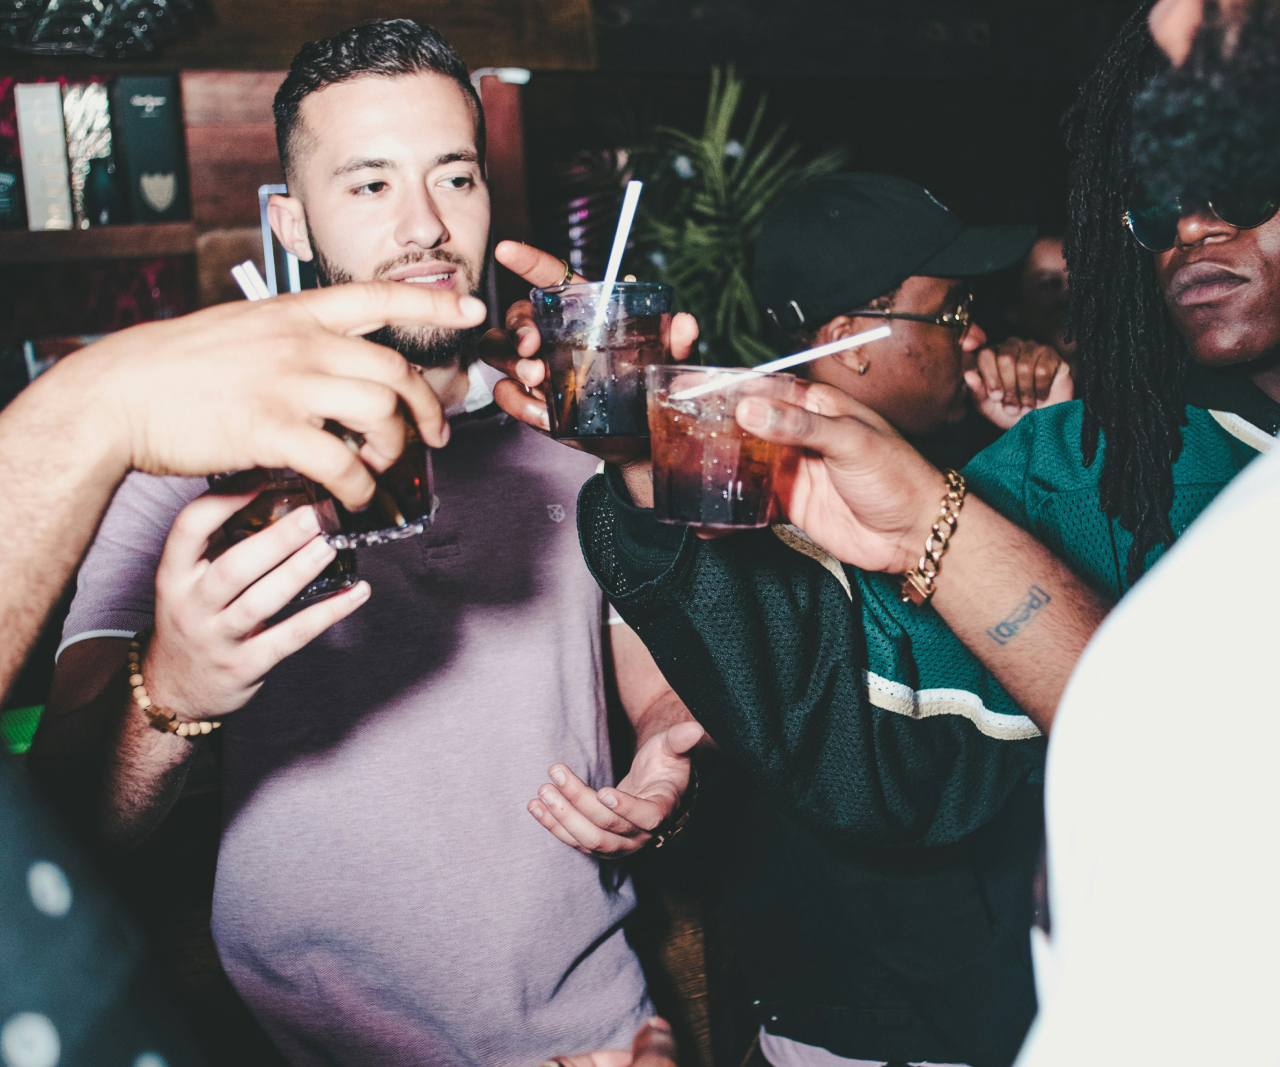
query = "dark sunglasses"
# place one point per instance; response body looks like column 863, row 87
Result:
column 1155, row 226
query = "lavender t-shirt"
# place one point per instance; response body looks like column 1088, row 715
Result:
column 382, row 896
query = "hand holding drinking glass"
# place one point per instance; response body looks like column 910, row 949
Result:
column 854, row 486
column 212, row 647
column 517, row 350
column 245, row 385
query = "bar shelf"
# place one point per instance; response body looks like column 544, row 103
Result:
column 98, row 242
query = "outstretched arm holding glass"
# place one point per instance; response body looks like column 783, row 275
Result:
column 235, row 386
column 816, row 676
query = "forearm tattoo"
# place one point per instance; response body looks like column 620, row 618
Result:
column 1021, row 617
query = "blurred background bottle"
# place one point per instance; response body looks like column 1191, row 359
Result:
column 13, row 214
column 103, row 205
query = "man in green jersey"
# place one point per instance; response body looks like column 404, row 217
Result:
column 872, row 720
column 830, row 954
column 885, row 723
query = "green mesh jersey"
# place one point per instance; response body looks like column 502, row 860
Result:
column 865, row 718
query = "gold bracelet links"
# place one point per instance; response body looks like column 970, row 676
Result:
column 918, row 584
column 164, row 721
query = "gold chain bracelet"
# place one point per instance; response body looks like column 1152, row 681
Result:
column 918, row 583
column 164, row 721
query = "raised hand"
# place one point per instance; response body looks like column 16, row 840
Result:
column 514, row 350
column 1015, row 377
column 854, row 486
column 618, row 820
column 250, row 384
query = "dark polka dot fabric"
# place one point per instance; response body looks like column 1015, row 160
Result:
column 76, row 986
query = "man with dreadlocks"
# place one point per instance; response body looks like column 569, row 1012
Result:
column 913, row 726
column 1161, row 841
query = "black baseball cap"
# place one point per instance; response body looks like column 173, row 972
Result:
column 837, row 243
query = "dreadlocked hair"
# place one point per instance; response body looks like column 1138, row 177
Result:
column 1133, row 362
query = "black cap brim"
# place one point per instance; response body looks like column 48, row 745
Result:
column 980, row 250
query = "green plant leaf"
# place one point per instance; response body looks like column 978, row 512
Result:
column 705, row 226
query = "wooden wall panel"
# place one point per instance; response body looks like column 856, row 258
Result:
column 508, row 188
column 218, row 96
column 249, row 34
column 231, row 143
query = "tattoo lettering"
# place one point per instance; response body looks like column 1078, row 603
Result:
column 1024, row 614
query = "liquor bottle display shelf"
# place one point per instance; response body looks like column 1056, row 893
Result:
column 98, row 242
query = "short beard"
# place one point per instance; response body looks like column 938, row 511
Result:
column 424, row 346
column 1213, row 124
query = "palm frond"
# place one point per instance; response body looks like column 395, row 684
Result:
column 703, row 208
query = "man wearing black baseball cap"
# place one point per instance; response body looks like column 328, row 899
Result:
column 847, row 952
column 844, row 252
column 824, row 982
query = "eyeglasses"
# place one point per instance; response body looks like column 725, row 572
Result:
column 1155, row 226
column 958, row 318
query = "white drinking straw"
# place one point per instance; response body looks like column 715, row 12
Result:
column 255, row 278
column 242, row 280
column 250, row 281
column 794, row 360
column 625, row 219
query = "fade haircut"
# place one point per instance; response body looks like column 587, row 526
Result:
column 384, row 48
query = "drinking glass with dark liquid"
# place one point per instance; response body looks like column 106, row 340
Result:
column 280, row 491
column 402, row 505
column 707, row 470
column 596, row 349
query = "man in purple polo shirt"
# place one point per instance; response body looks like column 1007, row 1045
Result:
column 382, row 894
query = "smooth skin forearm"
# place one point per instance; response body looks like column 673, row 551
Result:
column 59, row 466
column 651, row 705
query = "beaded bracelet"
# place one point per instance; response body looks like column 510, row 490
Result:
column 164, row 721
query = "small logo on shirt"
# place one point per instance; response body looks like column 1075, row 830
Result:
column 556, row 511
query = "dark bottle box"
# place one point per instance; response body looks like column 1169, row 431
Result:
column 149, row 147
